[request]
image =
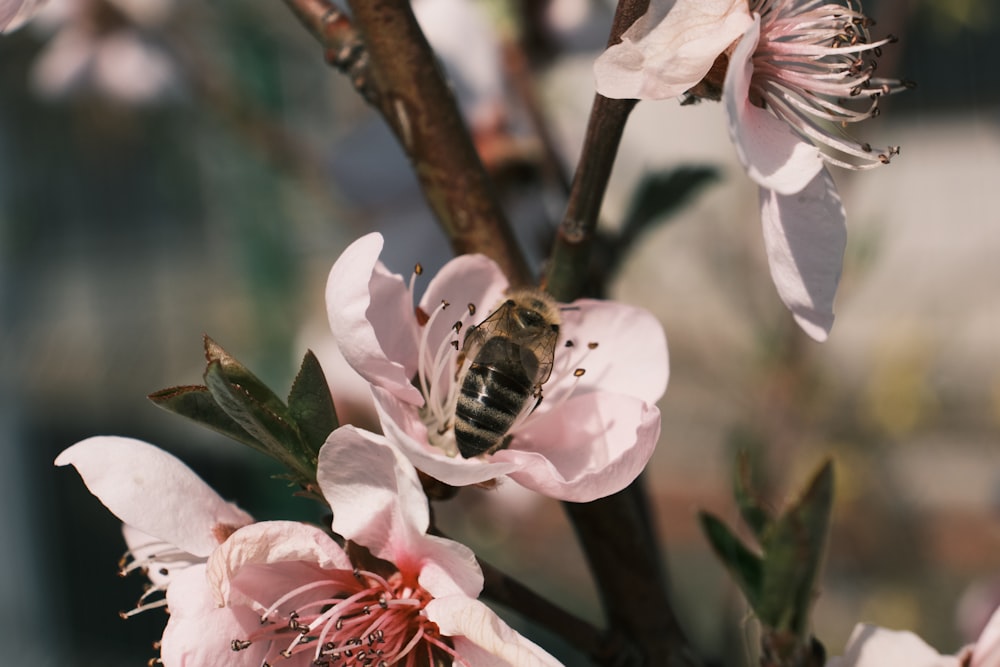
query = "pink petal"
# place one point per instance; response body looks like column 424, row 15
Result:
column 467, row 279
column 670, row 48
column 151, row 490
column 805, row 235
column 871, row 646
column 403, row 428
column 200, row 632
column 449, row 568
column 592, row 446
column 13, row 13
column 300, row 545
column 481, row 638
column 630, row 357
column 371, row 315
column 774, row 156
column 374, row 492
column 144, row 549
column 987, row 650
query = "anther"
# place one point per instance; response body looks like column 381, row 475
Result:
column 418, row 269
column 240, row 644
column 568, row 343
column 457, row 326
column 472, row 308
column 579, row 372
column 592, row 345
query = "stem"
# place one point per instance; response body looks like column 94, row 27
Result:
column 383, row 50
column 502, row 589
column 618, row 539
column 616, row 532
column 571, row 253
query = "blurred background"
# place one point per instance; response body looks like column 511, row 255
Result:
column 170, row 169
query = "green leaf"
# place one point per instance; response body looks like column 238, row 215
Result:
column 197, row 404
column 277, row 436
column 238, row 374
column 794, row 547
column 660, row 193
column 745, row 566
column 311, row 405
column 751, row 507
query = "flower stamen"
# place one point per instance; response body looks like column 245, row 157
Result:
column 813, row 69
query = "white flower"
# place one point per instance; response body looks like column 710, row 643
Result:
column 791, row 74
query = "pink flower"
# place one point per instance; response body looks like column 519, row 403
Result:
column 303, row 600
column 107, row 46
column 790, row 73
column 871, row 646
column 591, row 435
column 172, row 523
column 14, row 13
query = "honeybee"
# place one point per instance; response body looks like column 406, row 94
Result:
column 511, row 354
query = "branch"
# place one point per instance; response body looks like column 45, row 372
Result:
column 389, row 60
column 603, row 649
column 568, row 264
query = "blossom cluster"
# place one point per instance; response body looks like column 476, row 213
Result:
column 374, row 588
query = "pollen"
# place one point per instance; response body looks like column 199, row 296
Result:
column 351, row 618
column 814, row 68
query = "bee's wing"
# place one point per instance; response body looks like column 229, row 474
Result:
column 497, row 323
column 542, row 352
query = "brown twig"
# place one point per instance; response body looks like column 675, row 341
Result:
column 389, row 60
column 568, row 264
column 616, row 532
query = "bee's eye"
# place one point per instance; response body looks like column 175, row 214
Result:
column 531, row 318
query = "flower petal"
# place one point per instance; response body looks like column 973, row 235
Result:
column 376, row 497
column 153, row 491
column 481, row 638
column 268, row 543
column 14, row 13
column 200, row 632
column 144, row 548
column 449, row 568
column 467, row 280
column 805, row 235
column 630, row 357
column 871, row 646
column 670, row 48
column 987, row 650
column 592, row 446
column 371, row 315
column 403, row 428
column 774, row 156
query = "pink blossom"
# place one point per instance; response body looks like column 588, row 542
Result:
column 303, row 599
column 591, row 435
column 790, row 73
column 872, row 646
column 172, row 522
column 109, row 46
column 14, row 13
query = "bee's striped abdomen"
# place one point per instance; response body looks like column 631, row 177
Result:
column 492, row 396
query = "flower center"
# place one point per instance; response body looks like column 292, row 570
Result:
column 813, row 68
column 351, row 619
column 442, row 364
